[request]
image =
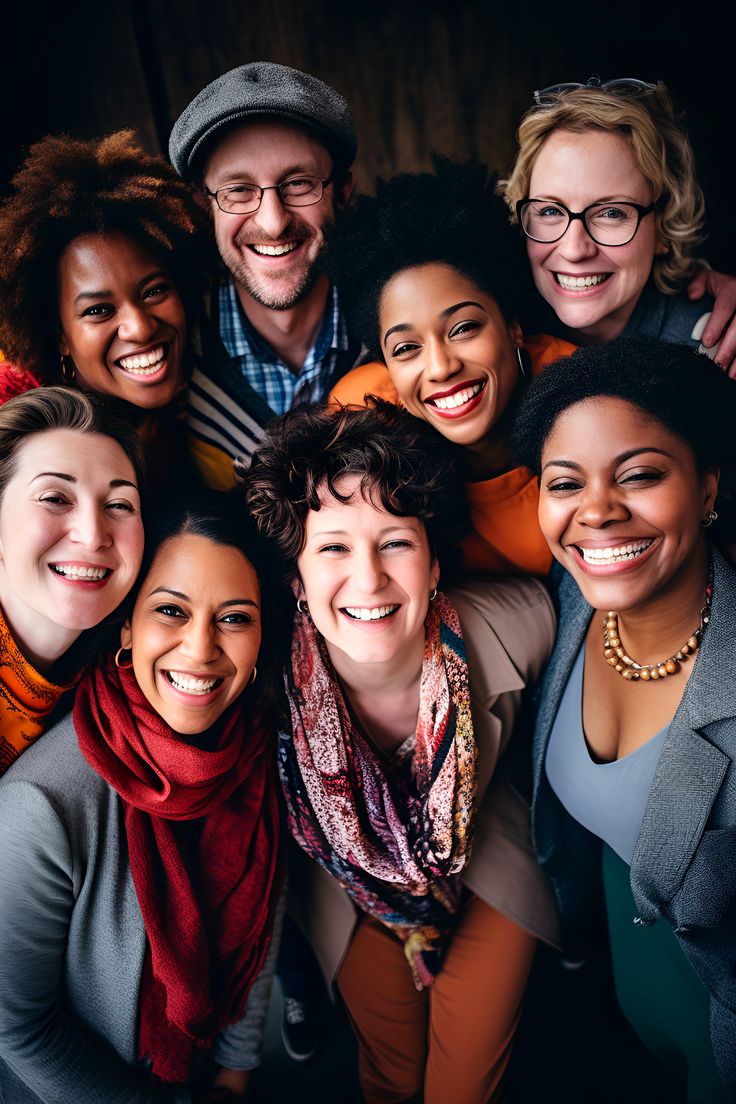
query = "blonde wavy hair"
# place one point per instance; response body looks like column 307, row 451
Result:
column 661, row 151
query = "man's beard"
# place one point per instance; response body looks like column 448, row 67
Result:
column 269, row 297
column 263, row 290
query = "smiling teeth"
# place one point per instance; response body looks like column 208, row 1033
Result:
column 614, row 554
column 275, row 250
column 458, row 398
column 145, row 364
column 70, row 572
column 191, row 685
column 580, row 281
column 361, row 614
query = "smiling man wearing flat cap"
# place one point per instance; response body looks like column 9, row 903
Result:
column 272, row 147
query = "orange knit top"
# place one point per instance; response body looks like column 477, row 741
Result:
column 506, row 538
column 27, row 700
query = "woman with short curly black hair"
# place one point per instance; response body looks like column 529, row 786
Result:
column 436, row 280
column 634, row 790
column 403, row 699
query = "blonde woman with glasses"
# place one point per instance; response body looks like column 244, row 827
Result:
column 605, row 191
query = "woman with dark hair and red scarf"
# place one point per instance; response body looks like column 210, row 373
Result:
column 139, row 842
column 399, row 755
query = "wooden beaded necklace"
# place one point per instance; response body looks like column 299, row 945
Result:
column 628, row 668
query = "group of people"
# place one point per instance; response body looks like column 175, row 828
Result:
column 365, row 591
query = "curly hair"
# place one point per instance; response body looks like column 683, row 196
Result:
column 68, row 187
column 673, row 384
column 404, row 466
column 661, row 151
column 452, row 216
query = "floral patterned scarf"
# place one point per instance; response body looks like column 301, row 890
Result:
column 395, row 834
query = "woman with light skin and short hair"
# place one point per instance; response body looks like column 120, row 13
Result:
column 634, row 791
column 604, row 188
column 71, row 540
column 139, row 843
column 403, row 701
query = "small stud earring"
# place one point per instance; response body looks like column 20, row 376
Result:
column 709, row 518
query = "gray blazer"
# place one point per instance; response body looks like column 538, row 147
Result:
column 73, row 941
column 684, row 863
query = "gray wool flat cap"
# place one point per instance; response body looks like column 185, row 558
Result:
column 257, row 89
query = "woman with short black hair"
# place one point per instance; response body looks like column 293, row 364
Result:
column 636, row 728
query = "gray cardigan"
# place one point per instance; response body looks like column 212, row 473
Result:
column 73, row 942
column 684, row 862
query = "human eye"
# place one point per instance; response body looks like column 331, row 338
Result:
column 466, row 328
column 236, row 190
column 641, row 476
column 53, row 499
column 169, row 610
column 237, row 618
column 298, row 185
column 98, row 310
column 563, row 485
column 612, row 213
column 405, row 348
column 120, row 506
column 157, row 290
column 397, row 543
column 333, row 548
column 548, row 211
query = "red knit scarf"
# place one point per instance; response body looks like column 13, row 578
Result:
column 203, row 831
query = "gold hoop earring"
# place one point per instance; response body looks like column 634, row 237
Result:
column 123, row 666
column 67, row 371
column 253, row 674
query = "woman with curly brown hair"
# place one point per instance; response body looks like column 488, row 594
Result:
column 403, row 699
column 105, row 260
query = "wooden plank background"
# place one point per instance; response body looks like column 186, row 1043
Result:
column 455, row 77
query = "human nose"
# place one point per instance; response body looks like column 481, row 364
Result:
column 368, row 575
column 91, row 528
column 442, row 362
column 198, row 642
column 576, row 243
column 601, row 505
column 272, row 217
column 135, row 323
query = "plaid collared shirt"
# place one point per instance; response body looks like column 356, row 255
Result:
column 263, row 370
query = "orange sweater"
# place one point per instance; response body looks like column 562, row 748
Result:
column 26, row 700
column 506, row 538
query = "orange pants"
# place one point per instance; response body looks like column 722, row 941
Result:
column 451, row 1042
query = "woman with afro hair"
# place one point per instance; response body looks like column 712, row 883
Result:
column 435, row 278
column 106, row 257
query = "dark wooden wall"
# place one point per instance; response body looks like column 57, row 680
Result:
column 453, row 76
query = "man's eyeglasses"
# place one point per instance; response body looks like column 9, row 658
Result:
column 245, row 199
column 607, row 223
column 621, row 86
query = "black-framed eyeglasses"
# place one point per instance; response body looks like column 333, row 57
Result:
column 545, row 220
column 245, row 199
column 621, row 86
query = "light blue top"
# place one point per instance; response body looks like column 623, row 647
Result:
column 606, row 798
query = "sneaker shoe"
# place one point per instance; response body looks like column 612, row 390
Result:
column 300, row 1030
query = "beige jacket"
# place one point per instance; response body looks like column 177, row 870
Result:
column 509, row 629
